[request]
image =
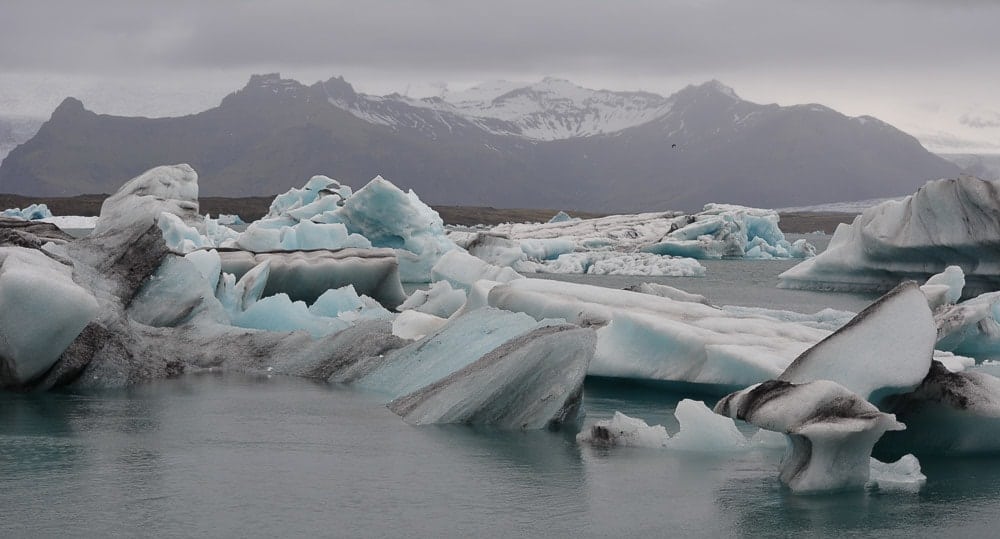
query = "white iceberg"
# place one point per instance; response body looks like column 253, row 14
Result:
column 532, row 381
column 946, row 222
column 44, row 311
column 440, row 300
column 832, row 430
column 885, row 350
column 33, row 212
column 642, row 336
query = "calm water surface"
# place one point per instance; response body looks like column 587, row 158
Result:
column 245, row 456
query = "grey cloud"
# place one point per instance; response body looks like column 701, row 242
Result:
column 451, row 36
column 984, row 120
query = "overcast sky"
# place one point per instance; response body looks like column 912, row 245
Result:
column 930, row 67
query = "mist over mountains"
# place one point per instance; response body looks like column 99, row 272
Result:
column 549, row 144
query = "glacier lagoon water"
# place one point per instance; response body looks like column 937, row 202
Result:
column 233, row 455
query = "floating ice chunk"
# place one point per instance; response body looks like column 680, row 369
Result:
column 209, row 264
column 610, row 263
column 250, row 288
column 176, row 294
column 562, row 217
column 546, row 249
column 227, row 219
column 415, row 324
column 827, row 319
column 532, row 381
column 944, row 288
column 731, row 231
column 456, row 345
column 280, row 313
column 43, row 312
column 316, row 188
column 670, row 292
column 306, row 275
column 388, row 217
column 30, row 213
column 832, row 430
column 496, row 250
column 140, row 202
column 622, row 430
column 462, row 270
column 180, row 237
column 951, row 413
column 886, row 349
column 648, row 337
column 903, row 475
column 335, row 301
column 703, row 430
column 700, row 430
column 262, row 237
column 971, row 327
column 66, row 222
column 439, row 300
column 946, row 222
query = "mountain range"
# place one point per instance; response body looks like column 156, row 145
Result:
column 548, row 144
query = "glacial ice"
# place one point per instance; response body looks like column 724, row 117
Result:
column 946, row 222
column 643, row 244
column 950, row 413
column 886, row 349
column 669, row 292
column 700, row 430
column 30, row 213
column 44, row 311
column 305, row 275
column 462, row 270
column 902, row 475
column 622, row 430
column 612, row 263
column 532, row 381
column 440, row 300
column 832, row 430
column 642, row 336
column 415, row 325
column 458, row 344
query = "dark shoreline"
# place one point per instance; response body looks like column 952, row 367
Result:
column 253, row 208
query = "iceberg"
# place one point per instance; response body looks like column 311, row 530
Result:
column 832, row 430
column 946, row 222
column 611, row 263
column 463, row 270
column 32, row 212
column 885, row 350
column 648, row 337
column 950, row 413
column 530, row 382
column 44, row 312
column 440, row 300
column 656, row 244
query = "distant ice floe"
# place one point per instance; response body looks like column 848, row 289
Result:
column 654, row 244
column 158, row 290
column 946, row 222
column 31, row 213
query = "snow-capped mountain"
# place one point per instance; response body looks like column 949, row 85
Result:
column 545, row 145
column 551, row 109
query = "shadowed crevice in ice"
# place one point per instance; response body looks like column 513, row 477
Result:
column 306, row 275
column 832, row 430
column 531, row 381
